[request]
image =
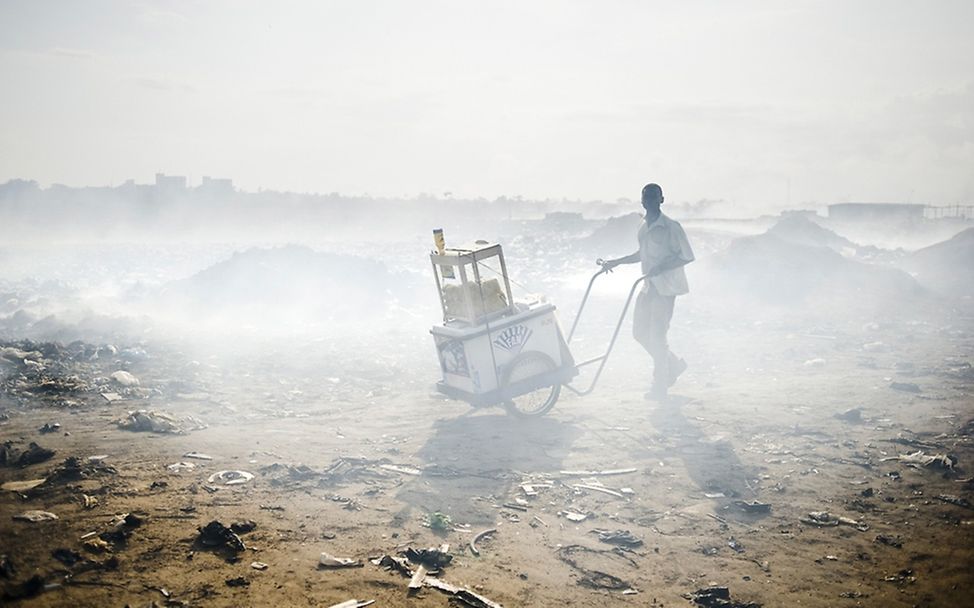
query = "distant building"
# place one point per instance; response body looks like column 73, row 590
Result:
column 216, row 185
column 876, row 212
column 170, row 182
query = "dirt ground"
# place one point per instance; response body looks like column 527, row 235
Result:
column 752, row 421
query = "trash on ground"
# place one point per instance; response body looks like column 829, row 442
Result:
column 327, row 560
column 111, row 397
column 735, row 545
column 258, row 565
column 594, row 488
column 34, row 516
column 919, row 458
column 22, row 486
column 753, row 506
column 574, row 516
column 851, row 415
column 432, row 557
column 623, row 538
column 478, row 537
column 67, row 557
column 144, row 421
column 826, row 519
column 461, row 594
column 123, row 378
column 891, row 541
column 597, row 473
column 178, row 467
column 353, row 604
column 595, row 579
column 230, row 478
column 401, row 469
column 49, row 428
column 717, row 597
column 438, row 521
column 238, row 581
column 197, row 456
column 215, row 534
column 34, row 454
column 955, row 500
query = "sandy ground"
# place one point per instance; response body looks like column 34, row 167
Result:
column 752, row 420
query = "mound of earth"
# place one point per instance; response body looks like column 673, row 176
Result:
column 778, row 271
column 617, row 236
column 946, row 267
column 291, row 282
column 803, row 231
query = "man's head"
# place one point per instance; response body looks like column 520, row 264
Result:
column 652, row 197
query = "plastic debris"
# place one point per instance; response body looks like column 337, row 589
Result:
column 623, row 538
column 258, row 565
column 919, row 458
column 144, row 421
column 353, row 604
column 35, row 516
column 197, row 456
column 49, row 428
column 22, row 486
column 955, row 500
column 179, row 467
column 753, row 506
column 230, row 478
column 479, row 536
column 123, row 378
column 327, row 560
column 432, row 557
column 717, row 597
column 826, row 519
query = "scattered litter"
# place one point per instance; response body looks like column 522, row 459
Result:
column 179, row 467
column 623, row 538
column 601, row 489
column 852, row 594
column 461, row 594
column 111, row 397
column 717, row 597
column 230, row 478
column 918, row 458
column 35, row 516
column 34, row 454
column 144, row 421
column 416, row 582
column 515, row 506
column 326, row 560
column 851, row 415
column 597, row 473
column 123, row 378
column 574, row 516
column 401, row 469
column 197, row 456
column 49, row 428
column 353, row 604
column 903, row 576
column 244, row 526
column 66, row 556
column 479, row 536
column 22, row 486
column 630, row 592
column 955, row 500
column 96, row 545
column 215, row 534
column 826, row 519
column 89, row 502
column 891, row 541
column 258, row 565
column 438, row 521
column 735, row 545
column 753, row 506
column 432, row 557
column 906, row 387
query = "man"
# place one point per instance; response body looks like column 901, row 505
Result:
column 663, row 251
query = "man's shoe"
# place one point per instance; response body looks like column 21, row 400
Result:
column 676, row 370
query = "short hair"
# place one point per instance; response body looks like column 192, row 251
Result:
column 652, row 191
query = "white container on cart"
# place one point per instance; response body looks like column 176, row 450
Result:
column 491, row 351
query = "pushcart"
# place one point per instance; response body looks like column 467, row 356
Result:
column 495, row 351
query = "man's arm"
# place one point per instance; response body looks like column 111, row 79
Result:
column 674, row 261
column 632, row 258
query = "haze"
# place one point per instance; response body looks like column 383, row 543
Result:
column 765, row 105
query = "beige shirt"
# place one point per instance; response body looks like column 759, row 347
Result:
column 657, row 241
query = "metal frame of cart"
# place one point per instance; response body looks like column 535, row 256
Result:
column 493, row 351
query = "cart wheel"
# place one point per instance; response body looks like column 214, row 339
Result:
column 536, row 402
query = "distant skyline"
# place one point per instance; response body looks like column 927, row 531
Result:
column 764, row 104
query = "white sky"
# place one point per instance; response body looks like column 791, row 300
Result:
column 745, row 101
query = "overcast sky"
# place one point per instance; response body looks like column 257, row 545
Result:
column 752, row 102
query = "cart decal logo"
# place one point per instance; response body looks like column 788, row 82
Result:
column 453, row 359
column 513, row 338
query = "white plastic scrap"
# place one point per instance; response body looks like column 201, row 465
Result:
column 230, row 478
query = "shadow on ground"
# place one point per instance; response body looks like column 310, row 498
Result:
column 472, row 459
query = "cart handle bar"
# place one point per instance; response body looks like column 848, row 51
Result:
column 615, row 334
